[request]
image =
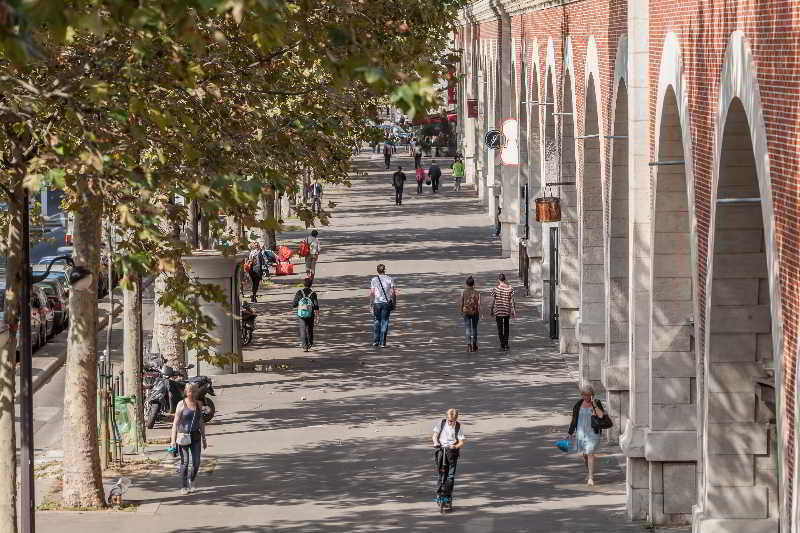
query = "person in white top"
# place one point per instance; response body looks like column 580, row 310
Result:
column 313, row 252
column 448, row 439
column 382, row 298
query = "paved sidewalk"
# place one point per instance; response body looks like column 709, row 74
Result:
column 338, row 439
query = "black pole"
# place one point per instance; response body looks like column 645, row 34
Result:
column 27, row 518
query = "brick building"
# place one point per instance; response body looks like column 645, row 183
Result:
column 669, row 130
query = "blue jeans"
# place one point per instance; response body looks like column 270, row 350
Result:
column 381, row 326
column 471, row 328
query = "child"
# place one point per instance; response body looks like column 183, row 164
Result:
column 420, row 179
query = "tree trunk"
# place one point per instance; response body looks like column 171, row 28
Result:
column 131, row 340
column 83, row 485
column 205, row 239
column 8, row 446
column 166, row 323
column 270, row 239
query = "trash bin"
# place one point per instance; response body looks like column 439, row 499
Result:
column 123, row 419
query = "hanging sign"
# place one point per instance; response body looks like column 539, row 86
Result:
column 510, row 152
column 494, row 139
column 472, row 108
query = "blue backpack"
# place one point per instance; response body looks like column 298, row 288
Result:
column 305, row 306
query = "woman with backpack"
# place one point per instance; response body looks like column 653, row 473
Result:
column 255, row 265
column 470, row 308
column 307, row 305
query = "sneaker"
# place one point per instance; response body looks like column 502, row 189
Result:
column 192, row 485
column 184, row 491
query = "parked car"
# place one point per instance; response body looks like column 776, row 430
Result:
column 38, row 329
column 57, row 301
column 41, row 304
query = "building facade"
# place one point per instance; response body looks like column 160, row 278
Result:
column 669, row 131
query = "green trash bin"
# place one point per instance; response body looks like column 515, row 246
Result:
column 123, row 419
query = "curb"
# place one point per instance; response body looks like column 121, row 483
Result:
column 55, row 365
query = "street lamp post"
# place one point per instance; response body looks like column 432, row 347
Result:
column 79, row 278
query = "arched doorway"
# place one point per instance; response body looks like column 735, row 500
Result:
column 615, row 371
column 673, row 397
column 568, row 256
column 740, row 441
column 592, row 253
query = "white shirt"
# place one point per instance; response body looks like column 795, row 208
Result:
column 448, row 436
column 377, row 293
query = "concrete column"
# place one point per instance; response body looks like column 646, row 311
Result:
column 632, row 440
column 212, row 267
column 471, row 125
column 505, row 109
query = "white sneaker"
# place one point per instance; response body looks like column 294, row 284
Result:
column 191, row 486
column 184, row 491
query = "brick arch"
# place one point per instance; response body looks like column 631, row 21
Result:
column 672, row 439
column 569, row 228
column 591, row 331
column 741, row 168
column 617, row 245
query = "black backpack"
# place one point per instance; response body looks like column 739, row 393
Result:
column 441, row 428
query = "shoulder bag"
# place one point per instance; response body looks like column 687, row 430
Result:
column 391, row 301
column 599, row 423
column 185, row 438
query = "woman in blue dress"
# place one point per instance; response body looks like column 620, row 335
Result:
column 586, row 438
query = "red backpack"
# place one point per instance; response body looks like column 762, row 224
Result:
column 304, row 249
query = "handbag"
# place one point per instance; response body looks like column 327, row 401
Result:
column 391, row 302
column 599, row 423
column 185, row 439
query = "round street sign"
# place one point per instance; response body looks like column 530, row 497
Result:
column 494, row 139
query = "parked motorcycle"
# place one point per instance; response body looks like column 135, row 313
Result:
column 248, row 323
column 167, row 390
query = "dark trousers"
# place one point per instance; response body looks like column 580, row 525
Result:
column 435, row 184
column 398, row 195
column 305, row 328
column 256, row 279
column 502, row 330
column 419, row 187
column 446, row 461
column 417, row 160
column 471, row 328
column 194, row 448
column 387, row 158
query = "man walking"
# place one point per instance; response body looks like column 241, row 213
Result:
column 458, row 172
column 255, row 266
column 448, row 439
column 417, row 154
column 313, row 252
column 382, row 298
column 434, row 173
column 387, row 153
column 398, row 180
column 316, row 197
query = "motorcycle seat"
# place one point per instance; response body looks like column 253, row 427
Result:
column 198, row 379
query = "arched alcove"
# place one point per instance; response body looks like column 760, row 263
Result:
column 616, row 370
column 534, row 164
column 741, row 435
column 568, row 256
column 550, row 168
column 592, row 252
column 673, row 399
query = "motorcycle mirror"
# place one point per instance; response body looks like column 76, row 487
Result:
column 190, row 366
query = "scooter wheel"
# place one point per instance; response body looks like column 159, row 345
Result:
column 247, row 336
column 151, row 414
column 208, row 410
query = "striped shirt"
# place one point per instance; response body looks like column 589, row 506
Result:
column 503, row 300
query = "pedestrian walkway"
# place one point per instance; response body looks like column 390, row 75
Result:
column 338, row 439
